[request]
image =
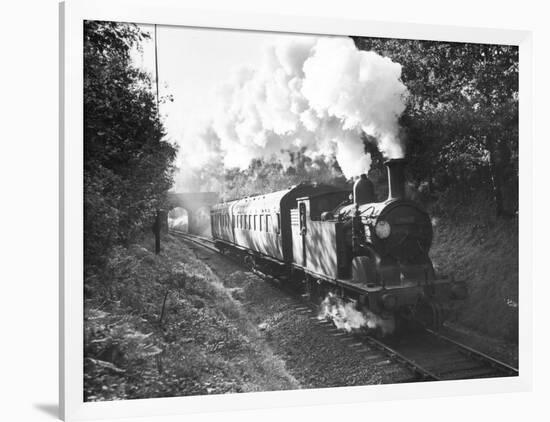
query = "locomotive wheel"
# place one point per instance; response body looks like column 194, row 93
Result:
column 428, row 315
column 250, row 262
column 313, row 290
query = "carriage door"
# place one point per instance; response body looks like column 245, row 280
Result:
column 303, row 231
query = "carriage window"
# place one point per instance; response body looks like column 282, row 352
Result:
column 278, row 227
column 260, row 218
column 268, row 227
column 255, row 222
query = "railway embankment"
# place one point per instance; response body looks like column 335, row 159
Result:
column 166, row 326
column 482, row 250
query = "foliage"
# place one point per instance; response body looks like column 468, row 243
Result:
column 264, row 176
column 461, row 116
column 127, row 165
column 164, row 326
column 123, row 330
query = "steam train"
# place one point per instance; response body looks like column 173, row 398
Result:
column 372, row 253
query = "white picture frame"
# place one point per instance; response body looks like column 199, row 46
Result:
column 171, row 12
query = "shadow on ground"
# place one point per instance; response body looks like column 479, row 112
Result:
column 49, row 409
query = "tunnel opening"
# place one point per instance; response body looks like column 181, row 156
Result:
column 178, row 219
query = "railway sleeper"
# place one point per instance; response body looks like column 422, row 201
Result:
column 473, row 373
column 452, row 366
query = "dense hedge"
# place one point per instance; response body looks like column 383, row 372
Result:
column 127, row 164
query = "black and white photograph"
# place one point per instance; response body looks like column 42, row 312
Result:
column 270, row 211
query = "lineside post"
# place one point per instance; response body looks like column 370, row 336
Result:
column 156, row 230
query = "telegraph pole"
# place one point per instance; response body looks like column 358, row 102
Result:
column 157, row 72
column 158, row 224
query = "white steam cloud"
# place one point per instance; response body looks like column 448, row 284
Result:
column 317, row 93
column 346, row 317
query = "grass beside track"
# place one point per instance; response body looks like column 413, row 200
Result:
column 201, row 343
column 484, row 253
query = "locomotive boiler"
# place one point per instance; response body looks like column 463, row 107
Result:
column 374, row 253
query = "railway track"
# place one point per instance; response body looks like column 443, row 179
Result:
column 428, row 355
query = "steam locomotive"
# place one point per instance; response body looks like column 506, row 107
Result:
column 375, row 254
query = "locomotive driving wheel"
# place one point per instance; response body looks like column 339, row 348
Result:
column 428, row 315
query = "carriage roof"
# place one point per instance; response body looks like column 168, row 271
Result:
column 270, row 203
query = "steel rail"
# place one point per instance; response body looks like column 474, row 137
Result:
column 476, row 354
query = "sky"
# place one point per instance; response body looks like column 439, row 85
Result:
column 193, row 63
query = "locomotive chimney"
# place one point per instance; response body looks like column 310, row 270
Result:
column 396, row 178
column 363, row 191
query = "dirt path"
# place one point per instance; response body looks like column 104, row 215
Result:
column 313, row 352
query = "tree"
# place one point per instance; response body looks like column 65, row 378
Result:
column 127, row 165
column 462, row 114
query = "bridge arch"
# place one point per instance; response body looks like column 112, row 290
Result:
column 197, row 205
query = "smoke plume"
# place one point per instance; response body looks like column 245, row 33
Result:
column 318, row 94
column 346, row 317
